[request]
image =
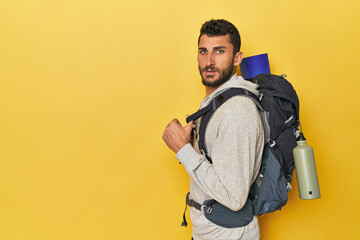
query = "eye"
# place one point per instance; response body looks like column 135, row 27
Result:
column 220, row 51
column 202, row 51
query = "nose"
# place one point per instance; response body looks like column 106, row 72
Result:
column 210, row 60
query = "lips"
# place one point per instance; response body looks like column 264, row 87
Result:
column 209, row 71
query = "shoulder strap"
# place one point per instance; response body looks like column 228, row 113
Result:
column 209, row 110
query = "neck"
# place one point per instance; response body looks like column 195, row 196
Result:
column 209, row 90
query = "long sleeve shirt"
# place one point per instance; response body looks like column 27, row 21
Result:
column 234, row 139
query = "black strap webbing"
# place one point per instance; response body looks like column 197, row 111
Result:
column 191, row 203
column 198, row 114
column 184, row 222
column 209, row 110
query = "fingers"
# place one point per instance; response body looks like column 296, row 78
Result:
column 189, row 126
column 174, row 121
column 172, row 127
column 177, row 121
column 176, row 136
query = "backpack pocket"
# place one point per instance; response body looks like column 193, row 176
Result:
column 225, row 217
column 271, row 194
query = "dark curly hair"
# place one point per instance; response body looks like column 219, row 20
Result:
column 221, row 27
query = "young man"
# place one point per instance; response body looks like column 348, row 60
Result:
column 234, row 136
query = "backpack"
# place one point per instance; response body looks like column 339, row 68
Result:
column 278, row 105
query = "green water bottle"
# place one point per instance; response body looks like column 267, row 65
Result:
column 306, row 170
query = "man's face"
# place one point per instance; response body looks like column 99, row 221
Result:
column 216, row 59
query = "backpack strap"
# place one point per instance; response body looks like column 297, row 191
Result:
column 207, row 112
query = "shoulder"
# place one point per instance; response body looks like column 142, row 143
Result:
column 239, row 104
column 239, row 111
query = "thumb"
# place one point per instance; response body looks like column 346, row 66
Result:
column 189, row 126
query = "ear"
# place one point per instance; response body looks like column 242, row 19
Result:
column 238, row 58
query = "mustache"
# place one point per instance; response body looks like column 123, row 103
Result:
column 210, row 68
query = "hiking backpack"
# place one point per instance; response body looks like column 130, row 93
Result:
column 279, row 105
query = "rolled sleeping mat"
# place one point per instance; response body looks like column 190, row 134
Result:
column 254, row 65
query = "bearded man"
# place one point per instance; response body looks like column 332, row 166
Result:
column 234, row 136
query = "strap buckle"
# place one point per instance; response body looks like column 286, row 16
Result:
column 209, row 210
column 203, row 208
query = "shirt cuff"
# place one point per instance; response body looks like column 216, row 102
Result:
column 189, row 157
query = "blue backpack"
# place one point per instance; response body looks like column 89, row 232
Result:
column 279, row 105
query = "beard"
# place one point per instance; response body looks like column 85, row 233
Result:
column 224, row 75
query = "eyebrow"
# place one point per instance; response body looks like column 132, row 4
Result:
column 215, row 48
column 219, row 47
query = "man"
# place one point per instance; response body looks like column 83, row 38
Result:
column 234, row 136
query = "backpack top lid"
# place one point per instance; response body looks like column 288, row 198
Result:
column 278, row 86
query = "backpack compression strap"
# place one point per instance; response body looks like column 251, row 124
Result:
column 209, row 110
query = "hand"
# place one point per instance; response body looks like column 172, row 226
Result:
column 176, row 136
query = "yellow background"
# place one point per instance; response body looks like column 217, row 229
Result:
column 87, row 88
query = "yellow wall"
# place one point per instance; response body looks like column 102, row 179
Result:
column 87, row 87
